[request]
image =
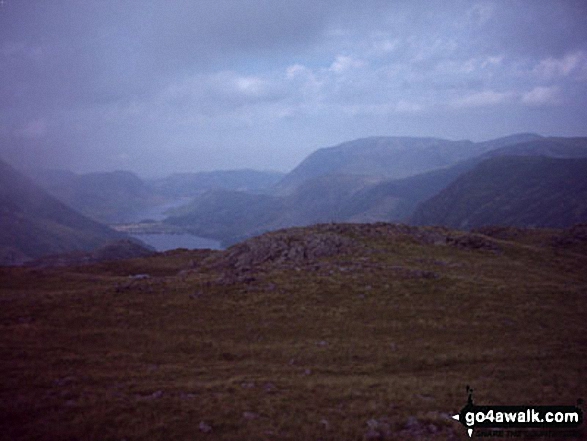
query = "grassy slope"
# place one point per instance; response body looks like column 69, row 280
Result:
column 382, row 340
column 34, row 223
column 107, row 197
column 514, row 191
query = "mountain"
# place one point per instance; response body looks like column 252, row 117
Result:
column 554, row 147
column 521, row 191
column 226, row 214
column 396, row 199
column 192, row 184
column 108, row 197
column 231, row 216
column 350, row 197
column 34, row 223
column 389, row 157
column 329, row 186
column 320, row 199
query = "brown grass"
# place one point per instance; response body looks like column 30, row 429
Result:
column 378, row 348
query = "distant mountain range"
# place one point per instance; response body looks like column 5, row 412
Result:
column 389, row 157
column 121, row 196
column 108, row 197
column 34, row 223
column 192, row 184
column 396, row 200
column 398, row 179
column 345, row 184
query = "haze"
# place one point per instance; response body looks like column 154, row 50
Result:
column 157, row 86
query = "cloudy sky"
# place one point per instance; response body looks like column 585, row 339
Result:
column 158, row 86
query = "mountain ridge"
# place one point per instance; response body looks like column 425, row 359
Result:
column 34, row 223
column 516, row 191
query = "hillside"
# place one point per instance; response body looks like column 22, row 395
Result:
column 232, row 216
column 192, row 184
column 33, row 223
column 227, row 215
column 512, row 191
column 108, row 197
column 332, row 332
column 348, row 198
column 396, row 199
column 389, row 157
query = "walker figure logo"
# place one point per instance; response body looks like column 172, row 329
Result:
column 518, row 417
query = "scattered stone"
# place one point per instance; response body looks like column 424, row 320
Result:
column 205, row 427
column 250, row 415
column 307, row 371
column 417, row 429
column 139, row 276
column 64, row 381
column 378, row 429
column 154, row 395
column 248, row 385
column 269, row 388
column 473, row 242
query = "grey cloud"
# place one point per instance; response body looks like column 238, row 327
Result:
column 100, row 83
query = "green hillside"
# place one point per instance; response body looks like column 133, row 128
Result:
column 227, row 215
column 346, row 183
column 34, row 224
column 332, row 332
column 512, row 191
column 396, row 199
column 192, row 184
column 389, row 157
column 107, row 197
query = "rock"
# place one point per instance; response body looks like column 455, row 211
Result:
column 205, row 427
column 269, row 388
column 294, row 247
column 250, row 415
column 472, row 242
column 378, row 429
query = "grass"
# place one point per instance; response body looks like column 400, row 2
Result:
column 358, row 348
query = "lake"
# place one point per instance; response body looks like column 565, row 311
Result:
column 165, row 242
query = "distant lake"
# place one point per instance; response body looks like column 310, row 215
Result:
column 157, row 213
column 165, row 242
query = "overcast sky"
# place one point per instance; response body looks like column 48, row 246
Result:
column 158, row 86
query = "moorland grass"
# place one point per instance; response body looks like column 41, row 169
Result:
column 373, row 346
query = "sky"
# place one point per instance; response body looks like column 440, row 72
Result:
column 164, row 86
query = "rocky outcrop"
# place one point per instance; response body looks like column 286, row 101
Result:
column 306, row 247
column 292, row 247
